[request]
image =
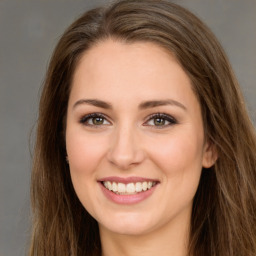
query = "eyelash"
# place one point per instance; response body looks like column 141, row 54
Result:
column 84, row 120
column 165, row 117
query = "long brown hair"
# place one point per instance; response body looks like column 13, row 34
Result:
column 224, row 211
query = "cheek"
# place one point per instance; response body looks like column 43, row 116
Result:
column 179, row 155
column 180, row 161
column 84, row 153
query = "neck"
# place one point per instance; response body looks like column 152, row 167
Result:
column 171, row 239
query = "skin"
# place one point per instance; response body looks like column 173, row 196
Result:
column 129, row 143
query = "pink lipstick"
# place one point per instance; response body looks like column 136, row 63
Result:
column 128, row 190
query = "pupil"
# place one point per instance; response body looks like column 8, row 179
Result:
column 159, row 121
column 98, row 120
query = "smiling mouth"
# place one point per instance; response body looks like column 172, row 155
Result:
column 130, row 188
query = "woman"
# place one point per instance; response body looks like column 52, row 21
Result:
column 144, row 144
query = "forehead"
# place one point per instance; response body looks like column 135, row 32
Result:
column 141, row 70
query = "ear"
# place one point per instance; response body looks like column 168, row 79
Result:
column 210, row 155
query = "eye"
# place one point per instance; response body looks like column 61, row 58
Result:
column 95, row 119
column 160, row 120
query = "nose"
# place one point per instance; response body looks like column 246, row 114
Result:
column 125, row 148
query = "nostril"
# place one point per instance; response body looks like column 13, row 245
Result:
column 125, row 149
column 125, row 159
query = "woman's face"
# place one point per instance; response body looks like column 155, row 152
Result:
column 134, row 137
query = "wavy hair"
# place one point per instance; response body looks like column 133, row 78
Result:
column 224, row 209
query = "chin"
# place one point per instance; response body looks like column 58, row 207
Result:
column 128, row 224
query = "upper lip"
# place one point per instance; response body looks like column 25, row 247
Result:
column 126, row 180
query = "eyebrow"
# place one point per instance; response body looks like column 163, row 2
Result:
column 93, row 102
column 143, row 105
column 157, row 103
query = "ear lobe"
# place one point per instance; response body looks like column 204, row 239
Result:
column 210, row 155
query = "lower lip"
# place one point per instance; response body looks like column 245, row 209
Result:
column 127, row 199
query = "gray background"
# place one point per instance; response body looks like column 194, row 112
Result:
column 29, row 31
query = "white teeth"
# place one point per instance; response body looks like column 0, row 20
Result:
column 144, row 186
column 130, row 188
column 114, row 187
column 121, row 188
column 150, row 185
column 138, row 187
column 109, row 185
